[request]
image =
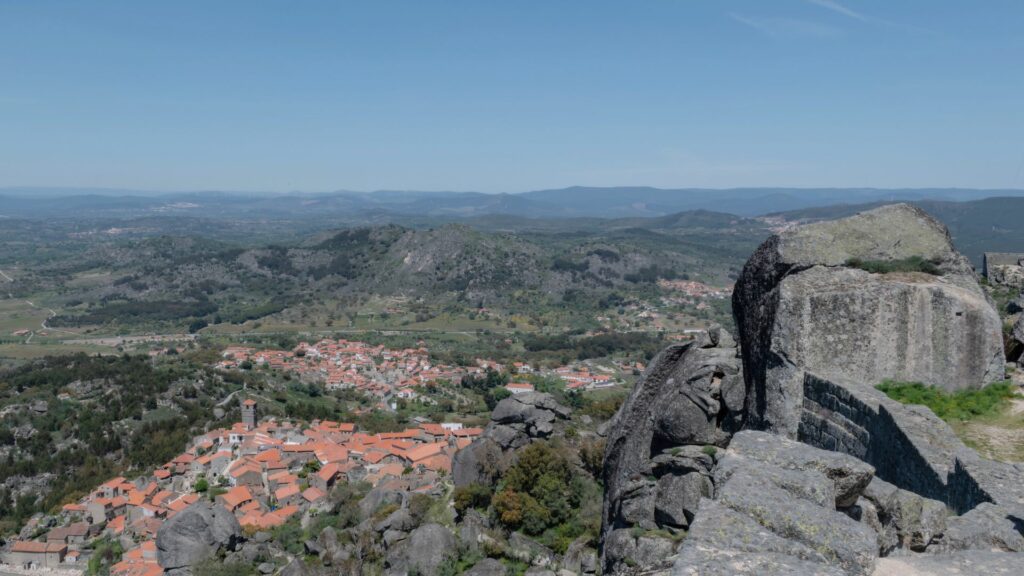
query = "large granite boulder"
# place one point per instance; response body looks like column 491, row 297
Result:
column 487, row 567
column 849, row 475
column 661, row 446
column 774, row 512
column 515, row 422
column 913, row 520
column 196, row 534
column 803, row 303
column 536, row 412
column 724, row 542
column 423, row 552
column 985, row 527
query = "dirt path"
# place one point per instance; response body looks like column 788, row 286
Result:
column 43, row 325
column 10, row 281
column 1002, row 440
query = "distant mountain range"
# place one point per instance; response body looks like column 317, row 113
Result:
column 381, row 206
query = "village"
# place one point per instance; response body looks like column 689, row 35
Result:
column 268, row 471
column 388, row 374
column 264, row 472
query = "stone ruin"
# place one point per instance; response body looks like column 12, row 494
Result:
column 779, row 456
column 1004, row 269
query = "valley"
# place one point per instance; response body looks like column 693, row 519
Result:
column 412, row 360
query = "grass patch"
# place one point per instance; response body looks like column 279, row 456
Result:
column 911, row 264
column 956, row 406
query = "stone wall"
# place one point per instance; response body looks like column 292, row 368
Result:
column 908, row 445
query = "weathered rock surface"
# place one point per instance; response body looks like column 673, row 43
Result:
column 769, row 519
column 661, row 446
column 840, row 540
column 376, row 498
column 720, row 529
column 970, row 563
column 986, row 527
column 849, row 475
column 195, row 534
column 515, row 422
column 806, row 484
column 579, row 558
column 487, row 567
column 400, row 520
column 529, row 551
column 914, row 520
column 1015, row 342
column 423, row 552
column 799, row 308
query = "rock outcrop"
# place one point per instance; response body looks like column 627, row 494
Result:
column 515, row 422
column 662, row 445
column 802, row 305
column 774, row 510
column 423, row 552
column 196, row 534
column 807, row 468
column 1015, row 341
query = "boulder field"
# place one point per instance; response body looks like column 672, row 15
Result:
column 777, row 455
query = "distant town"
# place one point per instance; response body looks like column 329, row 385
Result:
column 388, row 374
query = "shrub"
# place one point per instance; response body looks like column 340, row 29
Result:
column 105, row 554
column 956, row 406
column 216, row 567
column 539, row 491
column 911, row 264
column 472, row 496
column 592, row 456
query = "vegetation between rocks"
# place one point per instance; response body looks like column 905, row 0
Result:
column 911, row 264
column 956, row 406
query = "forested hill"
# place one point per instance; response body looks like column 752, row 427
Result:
column 196, row 281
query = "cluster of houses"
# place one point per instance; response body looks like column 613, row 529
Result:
column 376, row 370
column 263, row 472
column 583, row 378
column 695, row 289
column 385, row 373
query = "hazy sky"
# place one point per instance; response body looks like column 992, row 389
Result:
column 511, row 95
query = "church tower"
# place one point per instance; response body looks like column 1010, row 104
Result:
column 249, row 418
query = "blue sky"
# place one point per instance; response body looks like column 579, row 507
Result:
column 511, row 96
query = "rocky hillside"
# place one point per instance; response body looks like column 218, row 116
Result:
column 68, row 423
column 522, row 503
column 178, row 282
column 781, row 457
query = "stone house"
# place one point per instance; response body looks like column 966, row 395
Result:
column 76, row 533
column 1004, row 268
column 31, row 554
column 325, row 478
